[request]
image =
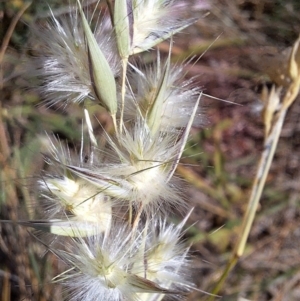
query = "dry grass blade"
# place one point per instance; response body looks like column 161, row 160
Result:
column 11, row 30
column 273, row 124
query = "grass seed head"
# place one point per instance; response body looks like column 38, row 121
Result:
column 140, row 171
column 69, row 196
column 155, row 21
column 79, row 199
column 100, row 268
column 165, row 257
column 165, row 84
column 62, row 60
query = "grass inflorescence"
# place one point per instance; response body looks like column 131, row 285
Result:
column 117, row 117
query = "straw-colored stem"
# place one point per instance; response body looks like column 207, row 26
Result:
column 130, row 213
column 137, row 218
column 256, row 192
column 11, row 30
column 270, row 146
column 114, row 119
column 123, row 90
column 260, row 180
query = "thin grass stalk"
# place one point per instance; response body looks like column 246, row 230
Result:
column 270, row 145
column 123, row 91
column 11, row 30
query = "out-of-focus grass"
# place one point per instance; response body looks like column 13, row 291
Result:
column 25, row 272
column 219, row 161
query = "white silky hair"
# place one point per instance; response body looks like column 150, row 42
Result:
column 62, row 61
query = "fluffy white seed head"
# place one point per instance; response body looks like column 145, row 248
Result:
column 160, row 83
column 165, row 257
column 155, row 21
column 140, row 171
column 100, row 268
column 62, row 61
column 80, row 199
column 67, row 196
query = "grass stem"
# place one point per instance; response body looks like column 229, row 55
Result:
column 270, row 144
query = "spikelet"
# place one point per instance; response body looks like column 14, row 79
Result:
column 100, row 268
column 71, row 198
column 155, row 21
column 62, row 60
column 142, row 24
column 165, row 258
column 162, row 83
column 141, row 171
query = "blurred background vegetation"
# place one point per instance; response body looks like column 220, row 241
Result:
column 238, row 47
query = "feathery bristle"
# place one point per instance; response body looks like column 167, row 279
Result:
column 63, row 63
column 179, row 96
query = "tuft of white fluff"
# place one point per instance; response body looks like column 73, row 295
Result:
column 140, row 172
column 155, row 21
column 69, row 197
column 100, row 268
column 62, row 61
column 179, row 96
column 165, row 257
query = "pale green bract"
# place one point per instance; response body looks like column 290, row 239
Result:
column 122, row 26
column 103, row 78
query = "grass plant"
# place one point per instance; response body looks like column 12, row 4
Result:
column 103, row 204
